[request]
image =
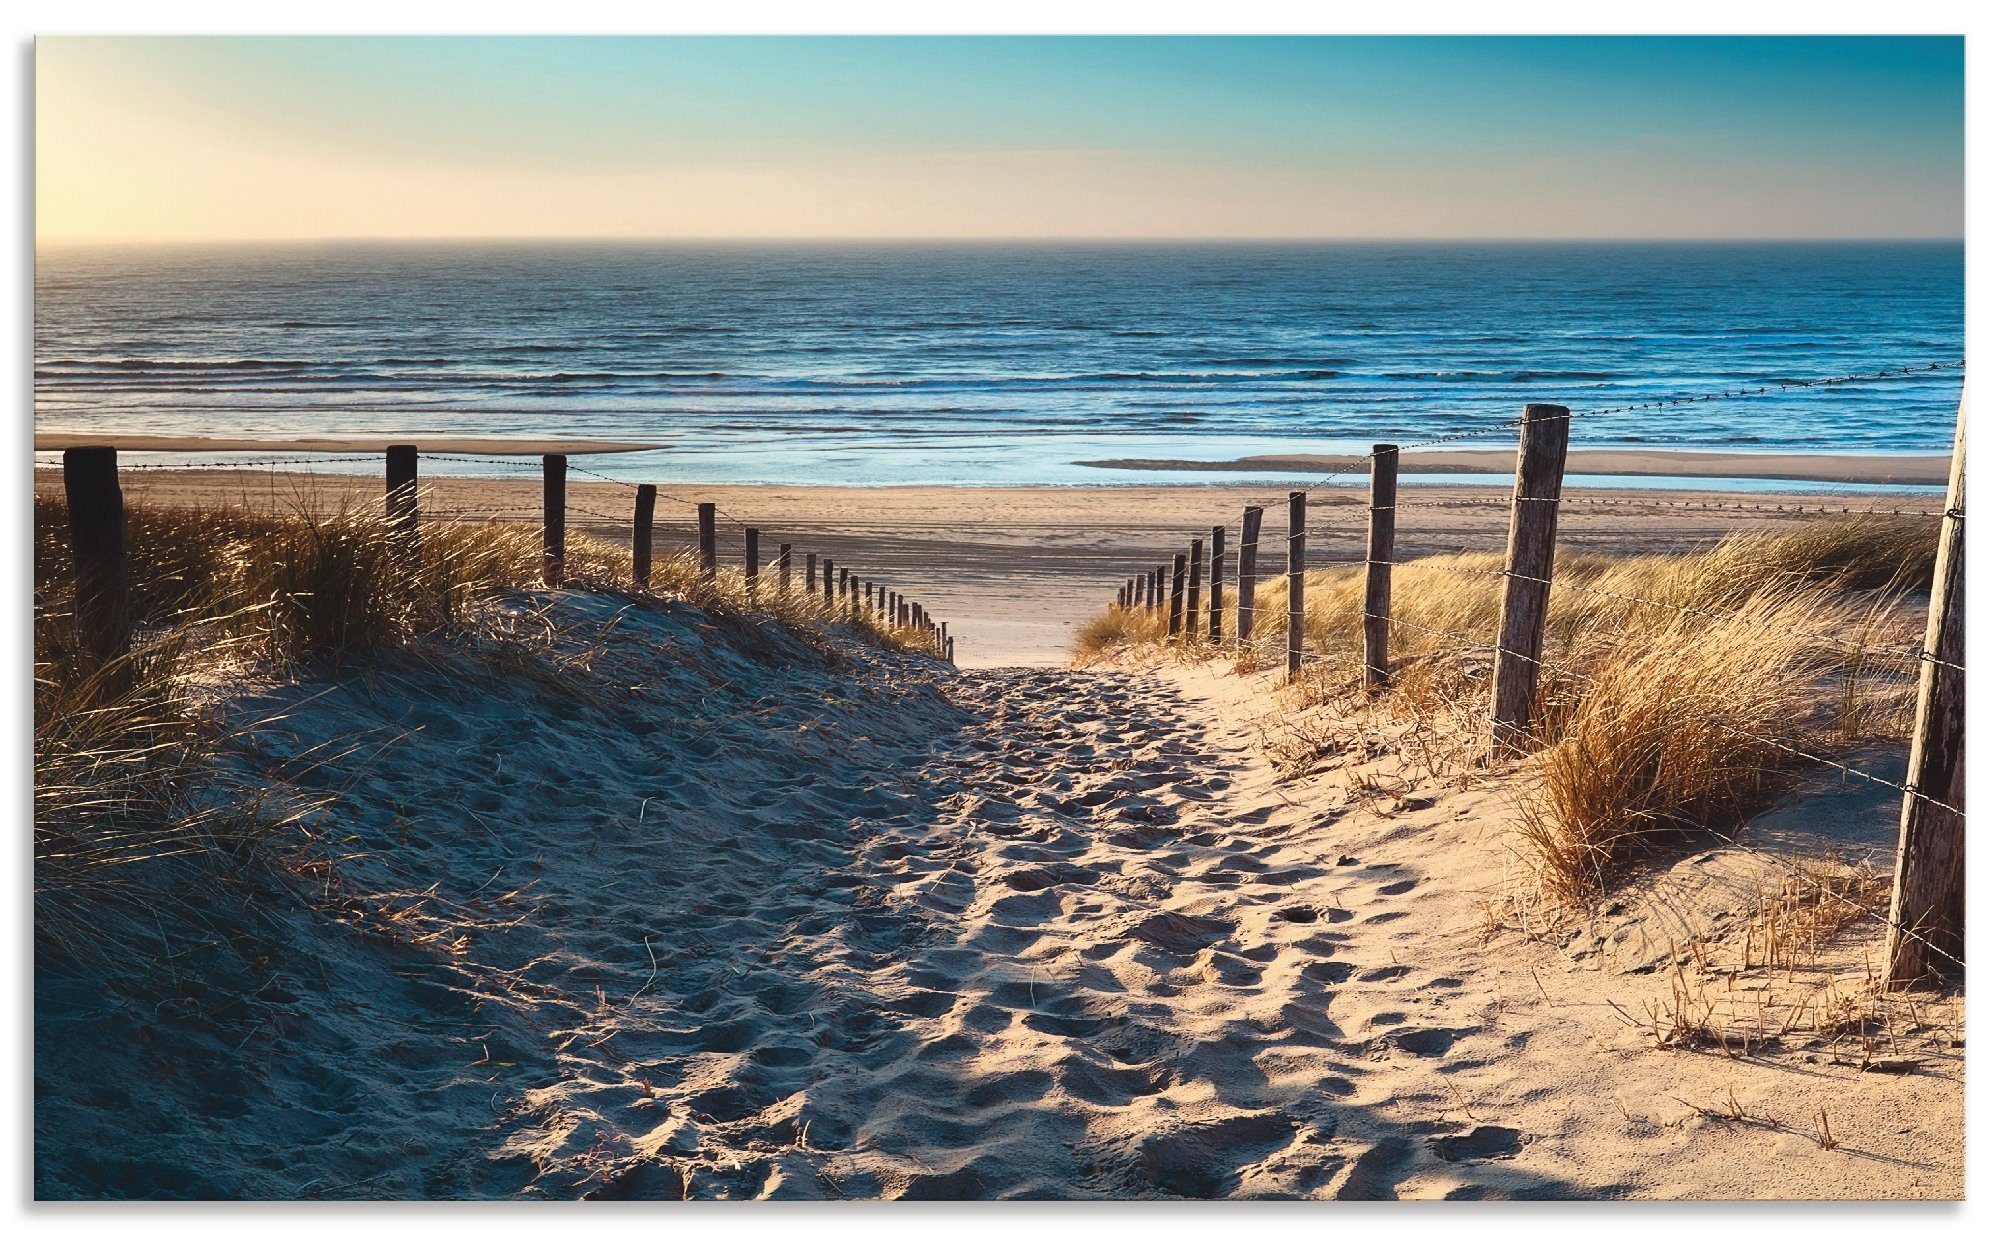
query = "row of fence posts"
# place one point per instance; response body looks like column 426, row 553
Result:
column 1926, row 916
column 103, row 608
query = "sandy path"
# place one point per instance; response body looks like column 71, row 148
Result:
column 1097, row 967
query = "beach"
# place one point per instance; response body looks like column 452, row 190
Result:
column 1015, row 569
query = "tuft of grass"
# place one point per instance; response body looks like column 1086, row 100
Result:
column 1670, row 735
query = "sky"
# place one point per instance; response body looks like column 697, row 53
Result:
column 158, row 139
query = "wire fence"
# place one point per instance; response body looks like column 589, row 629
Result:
column 1932, row 930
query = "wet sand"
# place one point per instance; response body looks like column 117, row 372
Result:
column 1714, row 465
column 338, row 445
column 1015, row 570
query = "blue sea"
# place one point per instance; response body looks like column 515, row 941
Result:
column 995, row 363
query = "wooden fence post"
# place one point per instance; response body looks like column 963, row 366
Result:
column 750, row 563
column 1927, row 902
column 1215, row 584
column 951, row 650
column 826, row 576
column 1295, row 571
column 1381, row 553
column 1246, row 572
column 784, row 567
column 1177, row 596
column 103, row 603
column 555, row 475
column 943, row 637
column 1193, row 617
column 399, row 503
column 811, row 583
column 1531, row 556
column 704, row 522
column 642, row 535
column 1159, row 586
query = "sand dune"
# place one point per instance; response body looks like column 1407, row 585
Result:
column 666, row 908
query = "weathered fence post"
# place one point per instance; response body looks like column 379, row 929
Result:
column 826, row 576
column 704, row 522
column 642, row 535
column 784, row 568
column 750, row 563
column 1159, row 586
column 811, row 583
column 1531, row 556
column 943, row 637
column 1215, row 585
column 1295, row 571
column 1177, row 597
column 951, row 650
column 1193, row 616
column 1246, row 572
column 1381, row 553
column 103, row 603
column 399, row 503
column 555, row 475
column 1927, row 902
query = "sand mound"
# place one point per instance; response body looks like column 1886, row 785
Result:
column 666, row 910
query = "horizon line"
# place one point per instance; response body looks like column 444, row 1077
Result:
column 108, row 241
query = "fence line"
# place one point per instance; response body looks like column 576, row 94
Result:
column 96, row 501
column 1927, row 906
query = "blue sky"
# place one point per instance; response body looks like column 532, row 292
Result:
column 1147, row 137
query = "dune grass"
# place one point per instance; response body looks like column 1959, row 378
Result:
column 1673, row 682
column 309, row 589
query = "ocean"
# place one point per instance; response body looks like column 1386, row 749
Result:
column 996, row 363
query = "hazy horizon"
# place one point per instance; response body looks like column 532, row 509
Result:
column 933, row 139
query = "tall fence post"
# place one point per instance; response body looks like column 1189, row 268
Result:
column 1531, row 556
column 399, row 502
column 1193, row 618
column 642, row 535
column 826, row 576
column 704, row 522
column 103, row 602
column 555, row 476
column 1177, row 597
column 1381, row 553
column 1246, row 572
column 1295, row 571
column 1215, row 584
column 811, row 583
column 784, row 568
column 1927, row 902
column 1159, row 586
column 750, row 563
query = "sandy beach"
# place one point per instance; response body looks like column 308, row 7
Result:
column 1685, row 464
column 1013, row 570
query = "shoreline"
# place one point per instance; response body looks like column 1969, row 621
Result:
column 1849, row 469
column 1655, row 463
column 181, row 443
